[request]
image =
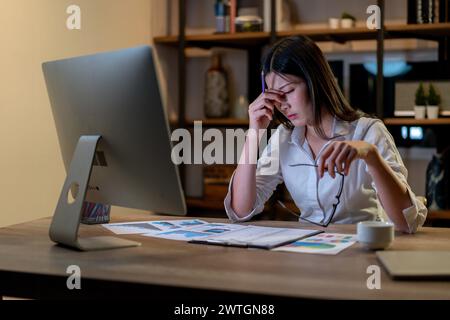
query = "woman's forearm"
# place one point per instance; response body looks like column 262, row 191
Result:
column 392, row 192
column 243, row 191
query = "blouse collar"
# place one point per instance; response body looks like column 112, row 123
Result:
column 340, row 129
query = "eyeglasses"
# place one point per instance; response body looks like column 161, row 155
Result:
column 335, row 205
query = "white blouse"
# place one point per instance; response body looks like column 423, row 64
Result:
column 314, row 196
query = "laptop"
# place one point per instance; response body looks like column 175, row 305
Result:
column 407, row 265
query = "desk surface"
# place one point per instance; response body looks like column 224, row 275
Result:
column 32, row 266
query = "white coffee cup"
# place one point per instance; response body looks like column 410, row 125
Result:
column 375, row 235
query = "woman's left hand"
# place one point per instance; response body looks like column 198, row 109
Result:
column 339, row 155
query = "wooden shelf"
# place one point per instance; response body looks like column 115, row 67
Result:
column 439, row 215
column 226, row 39
column 423, row 31
column 400, row 121
column 212, row 199
column 327, row 34
column 221, row 122
column 416, row 122
column 217, row 122
column 394, row 31
column 427, row 31
column 206, row 204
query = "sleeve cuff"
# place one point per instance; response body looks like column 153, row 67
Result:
column 415, row 215
column 230, row 212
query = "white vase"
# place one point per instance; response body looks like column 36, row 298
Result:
column 333, row 23
column 240, row 110
column 433, row 112
column 420, row 112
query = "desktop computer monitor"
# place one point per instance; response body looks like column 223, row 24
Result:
column 114, row 138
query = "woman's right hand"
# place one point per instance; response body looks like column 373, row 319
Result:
column 261, row 110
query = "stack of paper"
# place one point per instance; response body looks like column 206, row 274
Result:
column 258, row 237
column 199, row 231
column 228, row 234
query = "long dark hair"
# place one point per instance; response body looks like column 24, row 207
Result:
column 300, row 56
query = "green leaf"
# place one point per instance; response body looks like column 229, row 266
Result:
column 421, row 98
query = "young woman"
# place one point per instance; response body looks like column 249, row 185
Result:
column 339, row 165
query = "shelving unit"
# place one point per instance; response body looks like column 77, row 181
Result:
column 416, row 122
column 254, row 41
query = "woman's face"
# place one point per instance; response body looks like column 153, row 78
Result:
column 297, row 108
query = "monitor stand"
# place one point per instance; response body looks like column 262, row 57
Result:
column 67, row 217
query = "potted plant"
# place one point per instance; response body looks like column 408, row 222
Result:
column 434, row 99
column 347, row 20
column 420, row 102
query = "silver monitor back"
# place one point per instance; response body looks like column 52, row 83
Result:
column 116, row 95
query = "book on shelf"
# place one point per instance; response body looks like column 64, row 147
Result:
column 266, row 15
column 283, row 15
column 233, row 13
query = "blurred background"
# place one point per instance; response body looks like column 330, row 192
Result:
column 208, row 57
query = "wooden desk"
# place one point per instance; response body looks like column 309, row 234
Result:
column 32, row 266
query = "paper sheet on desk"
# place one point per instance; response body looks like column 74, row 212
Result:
column 324, row 243
column 196, row 232
column 141, row 227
